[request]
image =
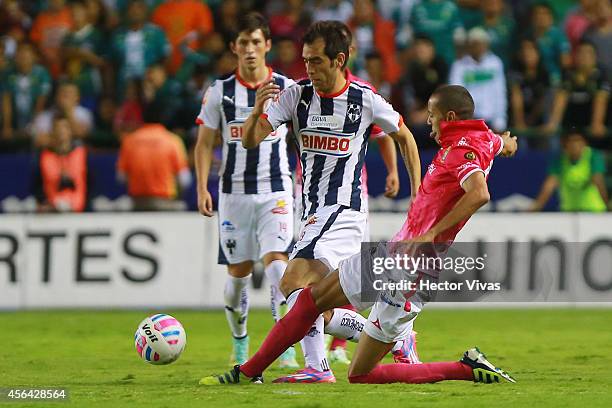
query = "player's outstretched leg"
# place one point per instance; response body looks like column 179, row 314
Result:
column 310, row 302
column 473, row 367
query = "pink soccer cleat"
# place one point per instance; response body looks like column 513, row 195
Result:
column 408, row 353
column 307, row 376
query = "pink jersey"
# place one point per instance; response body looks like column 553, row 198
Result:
column 467, row 147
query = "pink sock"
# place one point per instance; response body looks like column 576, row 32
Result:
column 415, row 373
column 286, row 332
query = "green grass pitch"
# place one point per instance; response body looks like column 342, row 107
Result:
column 560, row 357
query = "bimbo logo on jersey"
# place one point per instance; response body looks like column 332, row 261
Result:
column 236, row 131
column 325, row 142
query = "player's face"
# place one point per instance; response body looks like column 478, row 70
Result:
column 251, row 49
column 434, row 117
column 320, row 69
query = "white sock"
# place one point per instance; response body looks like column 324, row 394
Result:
column 274, row 272
column 313, row 344
column 346, row 324
column 237, row 304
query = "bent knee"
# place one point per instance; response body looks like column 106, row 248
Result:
column 288, row 283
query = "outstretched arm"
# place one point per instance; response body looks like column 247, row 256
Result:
column 410, row 154
column 256, row 128
column 476, row 195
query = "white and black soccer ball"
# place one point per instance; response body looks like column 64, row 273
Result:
column 160, row 339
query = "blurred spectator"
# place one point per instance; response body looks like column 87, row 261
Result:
column 600, row 35
column 66, row 104
column 554, row 47
column 375, row 70
column 291, row 21
column 193, row 93
column 4, row 66
column 578, row 21
column 426, row 72
column 582, row 100
column 439, row 20
column 500, row 27
column 60, row 180
column 482, row 73
column 340, row 10
column 288, row 58
column 560, row 8
column 83, row 55
column 137, row 46
column 165, row 91
column 178, row 18
column 99, row 15
column 14, row 24
column 529, row 85
column 103, row 134
column 151, row 160
column 128, row 116
column 578, row 173
column 226, row 18
column 49, row 29
column 226, row 62
column 399, row 11
column 371, row 34
column 470, row 12
column 25, row 91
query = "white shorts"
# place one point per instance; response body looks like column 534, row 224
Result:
column 393, row 312
column 252, row 225
column 331, row 234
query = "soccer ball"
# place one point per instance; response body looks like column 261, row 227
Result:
column 160, row 339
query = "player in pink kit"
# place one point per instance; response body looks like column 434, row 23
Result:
column 453, row 189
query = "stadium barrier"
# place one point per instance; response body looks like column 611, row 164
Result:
column 163, row 260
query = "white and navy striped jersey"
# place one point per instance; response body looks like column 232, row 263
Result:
column 332, row 133
column 226, row 104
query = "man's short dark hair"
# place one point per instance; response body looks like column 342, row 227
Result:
column 253, row 21
column 335, row 37
column 345, row 30
column 455, row 98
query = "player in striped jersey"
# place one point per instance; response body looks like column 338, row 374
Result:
column 332, row 118
column 255, row 197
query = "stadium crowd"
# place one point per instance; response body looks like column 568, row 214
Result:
column 77, row 73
